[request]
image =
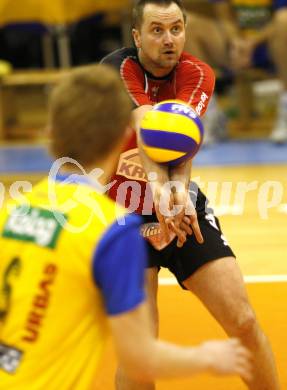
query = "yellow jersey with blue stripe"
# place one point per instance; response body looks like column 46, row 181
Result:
column 64, row 267
column 253, row 15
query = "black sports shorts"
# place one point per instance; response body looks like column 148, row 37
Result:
column 183, row 262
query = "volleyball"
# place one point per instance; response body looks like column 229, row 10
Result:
column 171, row 132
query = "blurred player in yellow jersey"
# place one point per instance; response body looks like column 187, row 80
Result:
column 68, row 268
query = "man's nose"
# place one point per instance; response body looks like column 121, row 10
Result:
column 167, row 39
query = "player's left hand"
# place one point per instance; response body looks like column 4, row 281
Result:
column 190, row 220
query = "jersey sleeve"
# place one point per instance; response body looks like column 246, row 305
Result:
column 132, row 75
column 134, row 81
column 195, row 82
column 119, row 264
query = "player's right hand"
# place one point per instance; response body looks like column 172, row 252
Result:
column 228, row 357
column 186, row 222
column 161, row 198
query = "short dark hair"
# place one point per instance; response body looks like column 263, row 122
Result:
column 137, row 13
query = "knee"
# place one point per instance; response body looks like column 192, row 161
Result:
column 246, row 326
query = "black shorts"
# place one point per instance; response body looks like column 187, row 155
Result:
column 183, row 262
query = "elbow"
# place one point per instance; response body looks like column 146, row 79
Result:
column 141, row 368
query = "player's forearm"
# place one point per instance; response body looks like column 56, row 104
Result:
column 143, row 357
column 137, row 115
column 182, row 173
column 155, row 172
column 175, row 361
column 162, row 360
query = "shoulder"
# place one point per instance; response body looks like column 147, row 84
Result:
column 122, row 227
column 191, row 67
column 118, row 57
column 187, row 59
column 121, row 237
column 118, row 266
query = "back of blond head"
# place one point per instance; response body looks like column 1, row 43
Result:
column 89, row 112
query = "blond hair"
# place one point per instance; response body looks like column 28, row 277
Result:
column 89, row 112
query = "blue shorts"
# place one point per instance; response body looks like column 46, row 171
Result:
column 262, row 58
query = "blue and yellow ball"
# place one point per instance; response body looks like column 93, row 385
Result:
column 171, row 132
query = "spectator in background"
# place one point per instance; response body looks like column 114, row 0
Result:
column 245, row 34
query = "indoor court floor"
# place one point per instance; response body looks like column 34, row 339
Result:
column 247, row 185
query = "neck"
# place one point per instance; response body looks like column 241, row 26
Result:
column 101, row 172
column 98, row 173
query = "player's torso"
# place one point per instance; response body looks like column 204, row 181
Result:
column 191, row 80
column 143, row 87
column 130, row 188
column 137, row 195
column 159, row 90
column 52, row 324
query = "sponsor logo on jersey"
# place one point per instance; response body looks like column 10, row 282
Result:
column 153, row 233
column 130, row 167
column 154, row 91
column 40, row 304
column 201, row 105
column 35, row 225
column 10, row 358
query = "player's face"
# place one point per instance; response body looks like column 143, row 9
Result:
column 161, row 38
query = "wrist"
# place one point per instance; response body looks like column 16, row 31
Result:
column 205, row 358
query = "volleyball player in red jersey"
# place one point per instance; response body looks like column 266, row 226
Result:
column 191, row 81
column 158, row 69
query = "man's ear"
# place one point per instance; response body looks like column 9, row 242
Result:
column 137, row 39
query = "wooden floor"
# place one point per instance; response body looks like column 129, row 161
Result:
column 258, row 236
column 184, row 320
column 261, row 248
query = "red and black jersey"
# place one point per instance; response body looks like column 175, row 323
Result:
column 191, row 81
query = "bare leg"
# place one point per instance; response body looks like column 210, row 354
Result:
column 220, row 286
column 278, row 45
column 205, row 41
column 278, row 48
column 121, row 380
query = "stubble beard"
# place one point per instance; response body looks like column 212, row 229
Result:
column 167, row 64
column 159, row 63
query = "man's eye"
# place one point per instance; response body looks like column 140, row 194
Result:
column 156, row 30
column 176, row 29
